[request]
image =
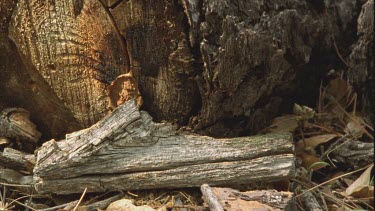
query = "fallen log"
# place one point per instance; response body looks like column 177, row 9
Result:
column 126, row 150
column 17, row 160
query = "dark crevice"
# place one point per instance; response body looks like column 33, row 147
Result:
column 114, row 5
column 195, row 52
column 119, row 35
column 78, row 5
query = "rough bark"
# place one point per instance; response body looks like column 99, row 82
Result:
column 361, row 60
column 128, row 146
column 18, row 89
column 160, row 54
column 222, row 67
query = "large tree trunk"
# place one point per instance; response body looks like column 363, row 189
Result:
column 222, row 67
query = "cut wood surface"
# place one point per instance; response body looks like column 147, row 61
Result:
column 126, row 150
column 69, row 45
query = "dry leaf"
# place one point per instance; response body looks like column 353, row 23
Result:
column 340, row 94
column 355, row 126
column 287, row 123
column 314, row 141
column 312, row 162
column 361, row 187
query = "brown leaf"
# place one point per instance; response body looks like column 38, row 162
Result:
column 361, row 187
column 312, row 162
column 287, row 123
column 340, row 94
column 356, row 126
column 314, row 141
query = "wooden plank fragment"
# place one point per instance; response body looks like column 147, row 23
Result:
column 17, row 160
column 231, row 199
column 128, row 146
column 15, row 124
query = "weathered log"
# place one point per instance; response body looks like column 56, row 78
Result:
column 17, row 160
column 128, row 146
column 15, row 124
column 12, row 178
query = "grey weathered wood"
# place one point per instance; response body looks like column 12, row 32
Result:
column 14, row 179
column 210, row 198
column 17, row 160
column 126, row 150
column 15, row 124
column 231, row 199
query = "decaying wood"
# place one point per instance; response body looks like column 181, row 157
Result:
column 361, row 59
column 19, row 89
column 210, row 198
column 128, row 146
column 17, row 160
column 353, row 153
column 203, row 63
column 161, row 56
column 231, row 199
column 310, row 202
column 14, row 179
column 69, row 45
column 15, row 124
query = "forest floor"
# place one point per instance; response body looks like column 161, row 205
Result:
column 334, row 148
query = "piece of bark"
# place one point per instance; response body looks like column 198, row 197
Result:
column 354, row 153
column 361, row 60
column 103, row 203
column 15, row 124
column 232, row 199
column 16, row 180
column 75, row 48
column 128, row 146
column 249, row 52
column 210, row 198
column 17, row 160
column 310, row 202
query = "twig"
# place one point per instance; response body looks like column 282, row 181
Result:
column 310, row 202
column 80, row 199
column 335, row 178
column 14, row 185
column 211, row 199
column 25, row 205
column 59, row 206
column 338, row 52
